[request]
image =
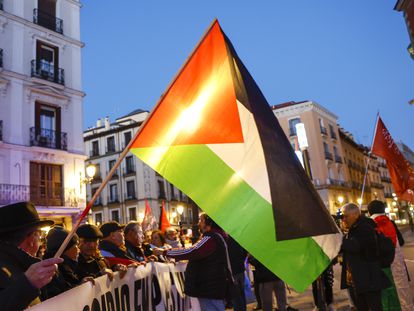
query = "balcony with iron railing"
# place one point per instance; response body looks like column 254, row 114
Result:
column 338, row 159
column 329, row 182
column 46, row 71
column 333, row 135
column 328, row 155
column 110, row 149
column 93, row 153
column 377, row 185
column 48, row 138
column 113, row 198
column 386, row 179
column 129, row 169
column 48, row 21
column 324, row 130
column 97, row 177
column 130, row 196
column 114, row 175
column 43, row 195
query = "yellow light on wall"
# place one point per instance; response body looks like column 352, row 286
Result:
column 359, row 201
column 340, row 199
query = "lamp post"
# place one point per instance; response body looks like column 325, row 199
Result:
column 90, row 173
column 303, row 145
column 180, row 210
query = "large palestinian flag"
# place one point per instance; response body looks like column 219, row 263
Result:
column 214, row 136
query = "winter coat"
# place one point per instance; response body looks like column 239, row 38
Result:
column 360, row 255
column 92, row 266
column 64, row 280
column 16, row 291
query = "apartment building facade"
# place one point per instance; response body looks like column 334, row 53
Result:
column 329, row 174
column 134, row 182
column 41, row 145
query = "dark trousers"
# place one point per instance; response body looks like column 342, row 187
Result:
column 239, row 297
column 369, row 301
column 327, row 284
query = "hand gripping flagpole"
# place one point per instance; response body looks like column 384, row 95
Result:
column 369, row 158
column 125, row 151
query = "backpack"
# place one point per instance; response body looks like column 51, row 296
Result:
column 385, row 249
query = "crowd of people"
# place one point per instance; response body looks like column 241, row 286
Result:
column 375, row 277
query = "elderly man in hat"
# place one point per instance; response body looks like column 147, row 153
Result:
column 22, row 275
column 90, row 261
column 112, row 245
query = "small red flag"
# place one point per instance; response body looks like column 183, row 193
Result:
column 164, row 223
column 149, row 222
column 402, row 175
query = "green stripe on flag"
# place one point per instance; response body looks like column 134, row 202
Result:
column 238, row 208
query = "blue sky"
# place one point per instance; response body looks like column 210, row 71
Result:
column 349, row 56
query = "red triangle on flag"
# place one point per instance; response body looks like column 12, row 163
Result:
column 200, row 106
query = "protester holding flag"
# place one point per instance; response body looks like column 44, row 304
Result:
column 205, row 276
column 361, row 269
column 22, row 275
column 397, row 297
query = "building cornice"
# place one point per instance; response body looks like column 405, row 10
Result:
column 37, row 83
column 52, row 35
column 88, row 137
column 44, row 154
column 297, row 109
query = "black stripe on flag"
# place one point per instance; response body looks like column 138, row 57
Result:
column 298, row 210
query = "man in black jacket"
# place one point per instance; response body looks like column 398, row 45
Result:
column 205, row 275
column 361, row 269
column 90, row 261
column 21, row 275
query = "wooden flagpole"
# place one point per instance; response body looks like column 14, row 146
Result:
column 125, row 151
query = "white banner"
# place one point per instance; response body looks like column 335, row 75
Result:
column 157, row 286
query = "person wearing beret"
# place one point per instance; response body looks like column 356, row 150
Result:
column 112, row 244
column 66, row 277
column 22, row 276
column 90, row 261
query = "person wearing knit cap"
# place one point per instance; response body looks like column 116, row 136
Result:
column 90, row 261
column 402, row 298
column 21, row 274
column 66, row 278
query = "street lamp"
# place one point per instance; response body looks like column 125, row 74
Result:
column 90, row 172
column 340, row 199
column 359, row 201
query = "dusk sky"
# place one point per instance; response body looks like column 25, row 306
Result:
column 349, row 56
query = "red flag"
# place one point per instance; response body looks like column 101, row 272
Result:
column 149, row 222
column 164, row 223
column 402, row 175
